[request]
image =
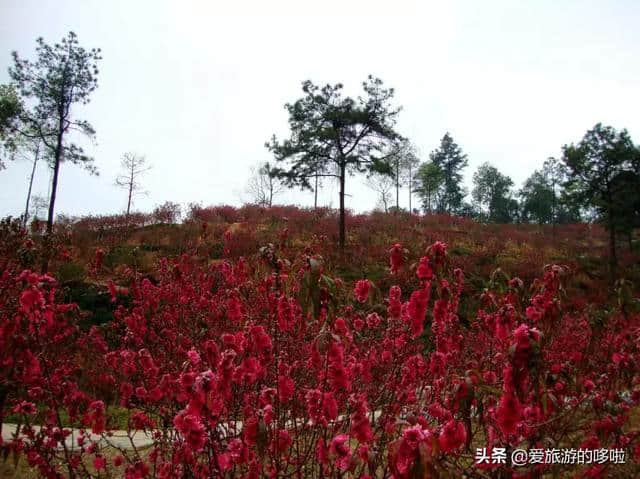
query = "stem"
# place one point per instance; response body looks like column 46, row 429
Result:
column 342, row 216
column 3, row 398
column 613, row 262
column 397, row 185
column 410, row 181
column 315, row 199
column 33, row 172
column 56, row 170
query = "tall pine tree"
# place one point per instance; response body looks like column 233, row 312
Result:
column 332, row 135
column 451, row 161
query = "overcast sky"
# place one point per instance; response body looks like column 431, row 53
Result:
column 199, row 86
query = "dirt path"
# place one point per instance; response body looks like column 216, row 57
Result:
column 116, row 439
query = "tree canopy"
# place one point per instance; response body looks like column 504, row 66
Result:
column 451, row 161
column 492, row 192
column 10, row 109
column 429, row 180
column 603, row 171
column 537, row 198
column 332, row 135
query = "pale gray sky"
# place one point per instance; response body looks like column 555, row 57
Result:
column 199, row 86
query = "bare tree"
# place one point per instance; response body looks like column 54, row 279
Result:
column 411, row 163
column 383, row 185
column 316, row 187
column 133, row 167
column 263, row 185
column 403, row 160
column 28, row 149
column 36, row 157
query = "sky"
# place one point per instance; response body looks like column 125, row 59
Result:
column 197, row 87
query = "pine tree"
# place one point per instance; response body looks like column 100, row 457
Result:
column 451, row 161
column 332, row 135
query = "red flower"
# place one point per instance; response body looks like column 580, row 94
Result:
column 521, row 335
column 285, row 388
column 25, row 407
column 191, row 429
column 250, row 430
column 194, row 357
column 533, row 314
column 96, row 418
column 395, row 306
column 386, row 356
column 418, row 309
column 452, row 436
column 112, row 290
column 439, row 249
column 140, row 420
column 404, row 453
column 314, row 402
column 373, row 320
column 341, row 451
column 139, row 470
column 260, row 339
column 341, row 327
column 588, row 385
column 99, row 463
column 362, row 289
column 396, row 258
column 360, row 426
column 489, row 377
column 339, row 377
column 284, row 440
column 508, row 413
column 285, row 314
column 234, row 310
column 212, row 352
column 31, row 300
column 238, row 451
column 424, row 272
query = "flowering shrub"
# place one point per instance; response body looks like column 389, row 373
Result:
column 272, row 368
column 42, row 371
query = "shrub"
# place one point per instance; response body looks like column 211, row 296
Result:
column 271, row 367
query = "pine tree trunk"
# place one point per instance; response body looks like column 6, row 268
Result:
column 397, row 185
column 315, row 196
column 57, row 160
column 54, row 183
column 410, row 180
column 613, row 260
column 342, row 218
column 554, row 215
column 54, row 187
column 129, row 199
